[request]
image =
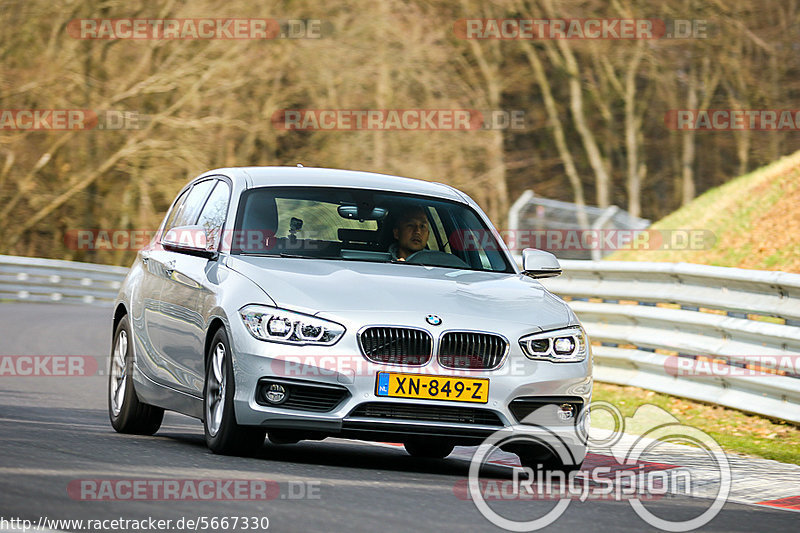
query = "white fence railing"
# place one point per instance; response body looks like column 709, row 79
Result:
column 25, row 279
column 721, row 335
column 694, row 331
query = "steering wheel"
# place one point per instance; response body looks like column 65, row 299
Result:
column 436, row 258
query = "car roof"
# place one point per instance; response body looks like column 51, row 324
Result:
column 252, row 177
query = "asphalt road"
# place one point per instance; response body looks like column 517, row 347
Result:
column 54, row 432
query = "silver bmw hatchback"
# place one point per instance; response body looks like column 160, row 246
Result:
column 305, row 303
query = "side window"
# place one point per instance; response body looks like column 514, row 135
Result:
column 485, row 262
column 212, row 217
column 186, row 213
column 437, row 240
column 176, row 208
column 479, row 245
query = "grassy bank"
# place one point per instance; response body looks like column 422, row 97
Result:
column 735, row 431
column 755, row 220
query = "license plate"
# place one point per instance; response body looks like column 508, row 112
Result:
column 423, row 387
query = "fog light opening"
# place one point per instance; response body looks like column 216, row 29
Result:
column 275, row 393
column 566, row 412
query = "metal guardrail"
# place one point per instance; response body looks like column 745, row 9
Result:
column 641, row 318
column 25, row 279
column 648, row 320
column 533, row 213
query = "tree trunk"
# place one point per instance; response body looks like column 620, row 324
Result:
column 632, row 126
column 687, row 152
column 558, row 133
column 498, row 199
column 596, row 160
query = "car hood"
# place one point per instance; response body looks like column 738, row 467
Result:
column 330, row 287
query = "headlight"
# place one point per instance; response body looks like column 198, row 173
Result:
column 278, row 325
column 568, row 345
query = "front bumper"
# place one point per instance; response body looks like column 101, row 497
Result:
column 342, row 366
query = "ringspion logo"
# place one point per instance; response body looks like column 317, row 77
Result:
column 549, row 467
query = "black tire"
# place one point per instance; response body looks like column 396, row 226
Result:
column 128, row 414
column 223, row 435
column 431, row 448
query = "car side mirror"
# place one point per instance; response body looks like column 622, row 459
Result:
column 190, row 240
column 539, row 264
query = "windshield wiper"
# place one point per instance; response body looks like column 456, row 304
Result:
column 282, row 254
column 290, row 256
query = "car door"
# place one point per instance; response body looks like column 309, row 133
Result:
column 189, row 291
column 146, row 302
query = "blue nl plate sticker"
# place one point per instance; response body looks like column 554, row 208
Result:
column 383, row 384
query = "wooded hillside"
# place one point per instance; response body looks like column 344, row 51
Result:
column 594, row 110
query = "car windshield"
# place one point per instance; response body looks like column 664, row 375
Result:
column 365, row 225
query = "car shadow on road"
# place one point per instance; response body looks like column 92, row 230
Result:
column 346, row 454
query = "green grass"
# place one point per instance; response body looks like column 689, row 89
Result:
column 750, row 215
column 735, row 431
column 755, row 222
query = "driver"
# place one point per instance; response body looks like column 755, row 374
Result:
column 410, row 232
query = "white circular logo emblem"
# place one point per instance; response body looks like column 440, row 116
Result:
column 433, row 320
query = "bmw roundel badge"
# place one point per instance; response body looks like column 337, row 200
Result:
column 433, row 320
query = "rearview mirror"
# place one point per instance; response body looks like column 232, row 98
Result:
column 191, row 240
column 539, row 264
column 355, row 212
